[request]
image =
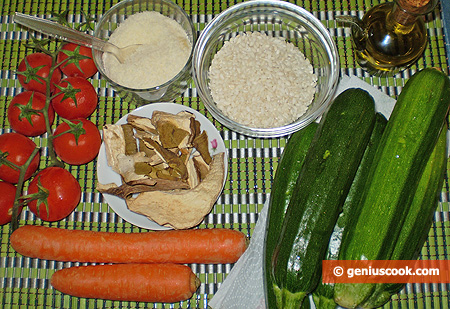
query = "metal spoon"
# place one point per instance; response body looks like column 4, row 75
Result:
column 67, row 34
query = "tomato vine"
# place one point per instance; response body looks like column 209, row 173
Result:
column 45, row 46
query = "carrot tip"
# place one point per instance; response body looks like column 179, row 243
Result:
column 195, row 283
column 247, row 242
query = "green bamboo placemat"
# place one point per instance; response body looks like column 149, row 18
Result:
column 24, row 282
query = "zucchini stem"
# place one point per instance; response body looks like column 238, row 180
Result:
column 288, row 300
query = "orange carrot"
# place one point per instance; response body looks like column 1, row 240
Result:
column 165, row 283
column 204, row 246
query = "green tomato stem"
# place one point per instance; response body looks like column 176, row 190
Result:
column 54, row 161
column 19, row 190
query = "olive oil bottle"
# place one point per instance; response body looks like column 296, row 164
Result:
column 391, row 36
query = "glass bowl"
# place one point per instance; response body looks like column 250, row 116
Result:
column 167, row 91
column 279, row 19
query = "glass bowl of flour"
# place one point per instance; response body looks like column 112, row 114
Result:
column 159, row 70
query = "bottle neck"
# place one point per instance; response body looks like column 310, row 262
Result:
column 406, row 12
column 416, row 7
column 401, row 19
column 401, row 16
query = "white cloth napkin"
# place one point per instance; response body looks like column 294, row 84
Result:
column 243, row 287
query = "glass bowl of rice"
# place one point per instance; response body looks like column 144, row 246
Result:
column 265, row 68
column 160, row 69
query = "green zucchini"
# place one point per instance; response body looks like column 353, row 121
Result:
column 283, row 184
column 322, row 186
column 306, row 303
column 418, row 221
column 407, row 142
column 323, row 294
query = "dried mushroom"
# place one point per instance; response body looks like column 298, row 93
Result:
column 175, row 131
column 143, row 123
column 201, row 144
column 182, row 209
column 131, row 146
column 127, row 189
column 114, row 138
column 167, row 171
column 194, row 176
column 173, row 160
column 201, row 166
column 126, row 166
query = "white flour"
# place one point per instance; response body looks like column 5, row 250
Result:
column 164, row 52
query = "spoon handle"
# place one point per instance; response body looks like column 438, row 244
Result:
column 62, row 32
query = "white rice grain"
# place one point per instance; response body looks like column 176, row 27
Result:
column 261, row 81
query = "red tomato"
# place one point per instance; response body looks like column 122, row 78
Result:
column 22, row 114
column 71, row 152
column 64, row 193
column 32, row 75
column 19, row 149
column 86, row 99
column 7, row 201
column 78, row 65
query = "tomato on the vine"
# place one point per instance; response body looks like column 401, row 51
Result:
column 77, row 98
column 77, row 149
column 80, row 63
column 34, row 69
column 7, row 197
column 17, row 148
column 60, row 191
column 25, row 115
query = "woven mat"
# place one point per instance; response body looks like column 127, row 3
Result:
column 24, row 282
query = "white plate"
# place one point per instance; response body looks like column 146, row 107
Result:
column 106, row 175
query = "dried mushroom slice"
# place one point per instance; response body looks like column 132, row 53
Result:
column 142, row 168
column 201, row 144
column 182, row 209
column 195, row 129
column 193, row 174
column 142, row 135
column 200, row 165
column 161, row 184
column 126, row 166
column 127, row 189
column 174, row 130
column 114, row 140
column 172, row 136
column 142, row 123
column 183, row 118
column 131, row 146
column 123, row 190
column 153, row 156
column 172, row 159
column 136, row 170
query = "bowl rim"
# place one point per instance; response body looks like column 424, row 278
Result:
column 186, row 68
column 330, row 47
